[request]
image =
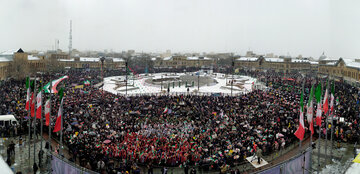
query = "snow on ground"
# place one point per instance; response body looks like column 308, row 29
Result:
column 353, row 169
column 143, row 87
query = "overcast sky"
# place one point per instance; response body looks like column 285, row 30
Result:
column 294, row 27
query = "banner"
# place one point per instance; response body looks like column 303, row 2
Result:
column 60, row 167
column 79, row 86
column 275, row 170
column 293, row 166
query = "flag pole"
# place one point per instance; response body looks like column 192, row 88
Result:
column 41, row 121
column 326, row 123
column 303, row 85
column 29, row 123
column 312, row 122
column 35, row 122
column 318, row 168
column 332, row 120
column 49, row 138
column 61, row 130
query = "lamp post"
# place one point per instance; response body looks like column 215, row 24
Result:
column 126, row 76
column 161, row 82
column 198, row 75
column 232, row 74
column 102, row 59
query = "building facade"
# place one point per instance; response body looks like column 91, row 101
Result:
column 282, row 64
column 183, row 61
column 346, row 69
column 40, row 62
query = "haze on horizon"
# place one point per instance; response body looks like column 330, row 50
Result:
column 296, row 27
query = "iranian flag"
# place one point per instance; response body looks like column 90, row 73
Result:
column 332, row 97
column 310, row 110
column 47, row 112
column 318, row 92
column 326, row 101
column 38, row 105
column 27, row 94
column 301, row 130
column 58, row 124
column 54, row 85
column 166, row 110
column 86, row 82
column 32, row 105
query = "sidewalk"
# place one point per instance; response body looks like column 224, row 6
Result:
column 21, row 161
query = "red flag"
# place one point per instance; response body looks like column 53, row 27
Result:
column 32, row 105
column 27, row 94
column 312, row 127
column 58, row 125
column 326, row 102
column 318, row 100
column 301, row 130
column 47, row 112
column 38, row 105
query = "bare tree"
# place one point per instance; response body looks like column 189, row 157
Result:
column 18, row 69
column 52, row 65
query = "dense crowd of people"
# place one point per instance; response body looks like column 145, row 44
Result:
column 101, row 128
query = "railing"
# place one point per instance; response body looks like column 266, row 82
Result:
column 183, row 93
column 299, row 163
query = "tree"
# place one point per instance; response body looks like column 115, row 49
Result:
column 53, row 65
column 18, row 69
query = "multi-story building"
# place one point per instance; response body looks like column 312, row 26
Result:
column 283, row 64
column 39, row 62
column 92, row 62
column 346, row 69
column 183, row 61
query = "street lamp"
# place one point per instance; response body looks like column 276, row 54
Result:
column 126, row 76
column 232, row 78
column 199, row 74
column 102, row 59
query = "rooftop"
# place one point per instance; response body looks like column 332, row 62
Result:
column 253, row 59
column 4, row 59
column 274, row 60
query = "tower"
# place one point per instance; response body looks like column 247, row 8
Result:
column 70, row 39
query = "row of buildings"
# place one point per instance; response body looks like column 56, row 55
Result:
column 347, row 69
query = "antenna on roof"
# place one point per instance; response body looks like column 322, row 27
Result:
column 70, row 39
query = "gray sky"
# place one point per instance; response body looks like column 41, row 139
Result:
column 306, row 27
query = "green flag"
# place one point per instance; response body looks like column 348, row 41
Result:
column 311, row 95
column 318, row 93
column 61, row 93
column 27, row 82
